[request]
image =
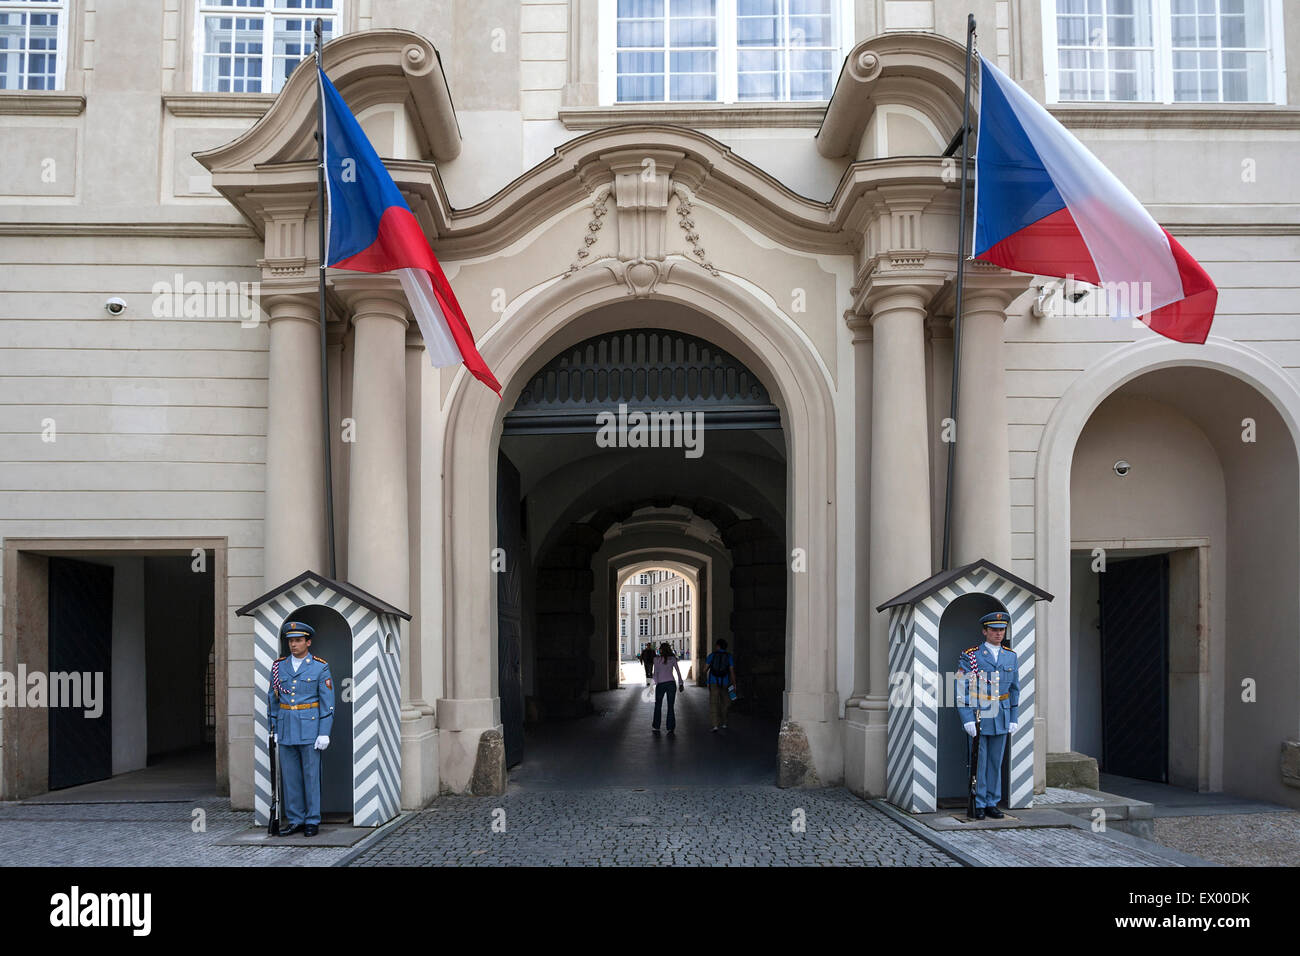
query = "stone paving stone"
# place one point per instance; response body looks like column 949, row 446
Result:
column 688, row 826
column 1056, row 846
column 138, row 834
column 1248, row 839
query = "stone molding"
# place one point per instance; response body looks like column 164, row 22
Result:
column 41, row 103
column 704, row 116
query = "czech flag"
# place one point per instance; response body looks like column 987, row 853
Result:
column 1045, row 205
column 372, row 229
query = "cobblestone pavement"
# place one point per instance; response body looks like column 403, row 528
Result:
column 139, row 834
column 1054, row 846
column 1246, row 839
column 688, row 826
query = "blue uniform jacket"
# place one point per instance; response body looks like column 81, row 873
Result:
column 311, row 684
column 1000, row 681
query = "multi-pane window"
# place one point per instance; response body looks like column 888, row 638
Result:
column 1220, row 50
column 722, row 50
column 644, row 627
column 622, row 628
column 32, row 40
column 644, row 602
column 785, row 49
column 251, row 46
column 1165, row 51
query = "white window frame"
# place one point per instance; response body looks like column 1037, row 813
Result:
column 607, row 74
column 206, row 8
column 1164, row 60
column 63, row 9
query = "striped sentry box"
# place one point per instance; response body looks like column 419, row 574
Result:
column 376, row 689
column 915, row 617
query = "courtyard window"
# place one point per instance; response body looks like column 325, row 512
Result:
column 722, row 51
column 644, row 602
column 251, row 46
column 33, row 40
column 1164, row 51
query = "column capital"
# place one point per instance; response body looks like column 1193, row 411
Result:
column 282, row 303
column 859, row 324
column 371, row 294
column 993, row 285
column 884, row 294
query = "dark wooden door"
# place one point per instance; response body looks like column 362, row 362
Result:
column 510, row 610
column 81, row 644
column 1135, row 668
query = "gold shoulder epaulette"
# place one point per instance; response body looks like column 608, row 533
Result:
column 969, row 649
column 285, row 658
column 321, row 659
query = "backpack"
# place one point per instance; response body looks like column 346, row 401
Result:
column 719, row 664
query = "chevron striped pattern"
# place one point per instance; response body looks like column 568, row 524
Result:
column 913, row 743
column 376, row 700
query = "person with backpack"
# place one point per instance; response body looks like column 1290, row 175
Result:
column 721, row 668
column 665, row 664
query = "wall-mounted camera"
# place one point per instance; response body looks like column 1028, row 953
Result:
column 115, row 306
column 1122, row 468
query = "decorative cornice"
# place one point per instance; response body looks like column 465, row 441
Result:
column 233, row 105
column 1181, row 116
column 369, row 68
column 41, row 103
column 701, row 116
column 167, row 230
column 883, row 66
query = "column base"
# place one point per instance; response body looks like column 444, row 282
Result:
column 866, row 734
column 419, row 761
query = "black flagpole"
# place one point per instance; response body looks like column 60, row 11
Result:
column 961, row 276
column 324, row 356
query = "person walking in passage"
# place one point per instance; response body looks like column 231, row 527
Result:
column 647, row 656
column 721, row 668
column 665, row 663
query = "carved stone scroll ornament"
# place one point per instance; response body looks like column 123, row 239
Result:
column 684, row 206
column 599, row 208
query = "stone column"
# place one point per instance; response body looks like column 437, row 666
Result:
column 981, row 494
column 900, row 485
column 294, row 529
column 378, row 521
column 860, row 327
column 419, row 737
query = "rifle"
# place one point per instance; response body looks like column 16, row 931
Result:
column 973, row 755
column 273, row 825
column 974, row 764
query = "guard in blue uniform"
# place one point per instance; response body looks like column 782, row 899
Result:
column 997, row 684
column 300, row 706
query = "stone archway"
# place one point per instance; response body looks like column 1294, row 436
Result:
column 1276, row 394
column 563, row 313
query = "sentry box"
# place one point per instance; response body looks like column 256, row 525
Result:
column 930, row 624
column 359, row 636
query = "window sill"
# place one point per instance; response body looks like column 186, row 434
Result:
column 1175, row 116
column 41, row 103
column 695, row 115
column 218, row 104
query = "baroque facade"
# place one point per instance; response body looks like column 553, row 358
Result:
column 767, row 236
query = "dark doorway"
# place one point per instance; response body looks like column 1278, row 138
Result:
column 80, row 650
column 1135, row 668
column 510, row 609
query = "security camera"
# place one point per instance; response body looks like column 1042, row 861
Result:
column 115, row 306
column 1073, row 291
column 1122, row 467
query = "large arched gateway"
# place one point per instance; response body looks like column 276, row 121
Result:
column 687, row 300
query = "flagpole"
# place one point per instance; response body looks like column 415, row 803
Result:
column 961, row 277
column 324, row 355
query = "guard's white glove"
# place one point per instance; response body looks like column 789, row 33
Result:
column 322, row 742
column 275, row 738
column 1013, row 727
column 969, row 727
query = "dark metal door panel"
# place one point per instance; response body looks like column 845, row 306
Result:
column 80, row 643
column 1135, row 668
column 510, row 610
